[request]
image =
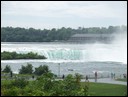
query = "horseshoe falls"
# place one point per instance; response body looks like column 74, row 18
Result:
column 62, row 54
column 71, row 52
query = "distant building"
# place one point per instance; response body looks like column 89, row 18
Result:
column 90, row 38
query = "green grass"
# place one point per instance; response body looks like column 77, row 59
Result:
column 103, row 89
column 123, row 79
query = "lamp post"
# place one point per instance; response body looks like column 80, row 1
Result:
column 59, row 70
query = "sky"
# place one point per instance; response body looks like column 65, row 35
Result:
column 57, row 14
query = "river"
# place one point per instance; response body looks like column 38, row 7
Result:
column 65, row 58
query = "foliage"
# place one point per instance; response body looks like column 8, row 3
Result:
column 13, row 87
column 20, row 83
column 13, row 55
column 10, row 34
column 13, row 91
column 66, row 87
column 41, row 70
column 45, row 85
column 26, row 69
column 7, row 69
column 78, row 77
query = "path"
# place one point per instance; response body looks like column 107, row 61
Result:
column 104, row 80
column 100, row 80
column 107, row 80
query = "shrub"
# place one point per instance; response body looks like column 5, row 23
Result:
column 20, row 83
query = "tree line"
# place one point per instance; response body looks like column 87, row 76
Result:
column 13, row 55
column 28, row 69
column 18, row 34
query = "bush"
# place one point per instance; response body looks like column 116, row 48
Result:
column 20, row 83
column 45, row 85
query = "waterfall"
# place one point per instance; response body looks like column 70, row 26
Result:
column 116, row 52
column 64, row 54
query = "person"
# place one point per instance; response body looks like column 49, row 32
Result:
column 114, row 75
column 95, row 76
column 63, row 76
column 11, row 74
column 32, row 76
column 86, row 78
column 86, row 82
column 124, row 75
column 111, row 75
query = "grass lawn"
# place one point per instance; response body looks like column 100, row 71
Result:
column 103, row 89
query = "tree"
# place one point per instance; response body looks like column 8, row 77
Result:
column 5, row 55
column 10, row 34
column 78, row 77
column 13, row 55
column 41, row 70
column 7, row 69
column 26, row 69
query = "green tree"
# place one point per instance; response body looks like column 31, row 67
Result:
column 26, row 69
column 41, row 70
column 7, row 69
column 5, row 55
column 10, row 34
column 78, row 78
column 13, row 55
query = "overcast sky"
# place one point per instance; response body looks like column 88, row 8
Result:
column 57, row 14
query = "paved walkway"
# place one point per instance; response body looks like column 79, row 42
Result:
column 107, row 80
column 104, row 80
column 100, row 80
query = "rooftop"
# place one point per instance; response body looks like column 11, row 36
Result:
column 91, row 35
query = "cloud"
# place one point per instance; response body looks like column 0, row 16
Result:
column 66, row 10
column 32, row 8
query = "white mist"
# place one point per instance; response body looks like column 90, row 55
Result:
column 116, row 51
